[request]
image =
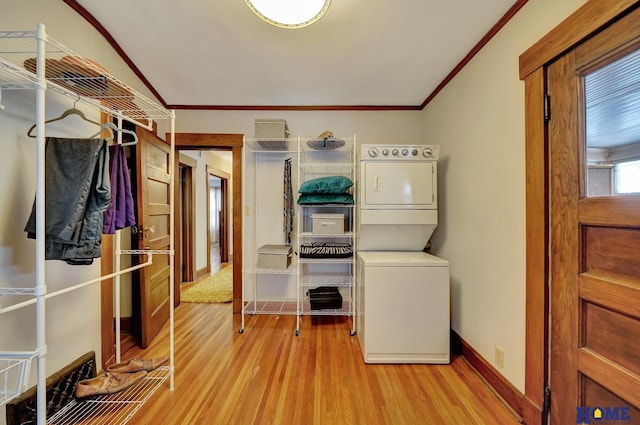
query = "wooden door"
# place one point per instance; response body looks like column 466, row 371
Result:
column 153, row 178
column 594, row 254
column 224, row 230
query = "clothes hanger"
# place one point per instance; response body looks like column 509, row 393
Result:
column 78, row 112
column 113, row 127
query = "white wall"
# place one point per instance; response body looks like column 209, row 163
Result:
column 395, row 127
column 478, row 120
column 369, row 126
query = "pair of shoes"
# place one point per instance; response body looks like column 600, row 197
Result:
column 108, row 383
column 135, row 365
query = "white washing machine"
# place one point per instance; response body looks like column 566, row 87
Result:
column 403, row 310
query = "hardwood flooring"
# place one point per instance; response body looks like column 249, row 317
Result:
column 269, row 376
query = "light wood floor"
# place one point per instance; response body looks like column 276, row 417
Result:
column 269, row 376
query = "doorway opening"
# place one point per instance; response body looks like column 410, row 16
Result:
column 218, row 206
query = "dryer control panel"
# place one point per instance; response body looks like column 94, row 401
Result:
column 400, row 152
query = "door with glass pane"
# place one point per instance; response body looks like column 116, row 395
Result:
column 594, row 181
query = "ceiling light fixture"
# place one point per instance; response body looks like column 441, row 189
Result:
column 289, row 13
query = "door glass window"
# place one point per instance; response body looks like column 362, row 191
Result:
column 612, row 97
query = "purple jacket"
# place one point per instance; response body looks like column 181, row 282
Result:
column 120, row 213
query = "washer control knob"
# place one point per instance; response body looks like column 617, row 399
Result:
column 373, row 152
column 385, row 152
column 414, row 152
column 427, row 152
column 405, row 152
column 395, row 152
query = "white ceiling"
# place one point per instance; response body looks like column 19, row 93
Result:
column 362, row 52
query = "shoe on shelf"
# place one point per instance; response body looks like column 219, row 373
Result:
column 134, row 365
column 108, row 383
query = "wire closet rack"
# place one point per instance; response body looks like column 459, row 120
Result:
column 32, row 60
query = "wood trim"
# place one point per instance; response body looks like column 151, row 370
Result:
column 594, row 366
column 235, row 142
column 187, row 160
column 537, row 266
column 126, row 325
column 237, row 228
column 474, row 51
column 188, row 217
column 612, row 293
column 499, row 383
column 590, row 18
column 207, row 141
column 216, row 172
column 204, row 271
column 107, row 330
column 598, row 211
column 208, row 217
column 297, row 107
column 598, row 52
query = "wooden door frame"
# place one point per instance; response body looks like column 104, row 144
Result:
column 184, row 235
column 233, row 142
column 224, row 177
column 592, row 17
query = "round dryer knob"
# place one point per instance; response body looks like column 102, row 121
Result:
column 414, row 152
column 395, row 152
column 373, row 152
column 385, row 152
column 427, row 152
column 405, row 152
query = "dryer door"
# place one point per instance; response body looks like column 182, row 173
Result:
column 398, row 185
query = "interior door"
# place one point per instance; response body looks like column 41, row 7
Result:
column 224, row 230
column 594, row 240
column 153, row 178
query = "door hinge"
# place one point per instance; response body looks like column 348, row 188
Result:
column 547, row 399
column 547, row 107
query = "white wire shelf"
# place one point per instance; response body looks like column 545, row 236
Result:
column 346, row 310
column 335, row 145
column 285, row 307
column 327, row 205
column 146, row 251
column 348, row 260
column 272, row 145
column 17, row 291
column 72, row 75
column 345, row 235
column 111, row 409
column 343, row 281
column 292, row 269
column 15, row 369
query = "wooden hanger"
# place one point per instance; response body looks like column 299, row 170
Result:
column 113, row 127
column 78, row 112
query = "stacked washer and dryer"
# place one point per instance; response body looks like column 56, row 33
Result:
column 403, row 293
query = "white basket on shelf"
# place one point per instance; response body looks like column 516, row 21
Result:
column 15, row 367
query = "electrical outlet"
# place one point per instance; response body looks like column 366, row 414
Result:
column 499, row 356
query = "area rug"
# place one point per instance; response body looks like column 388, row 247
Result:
column 217, row 288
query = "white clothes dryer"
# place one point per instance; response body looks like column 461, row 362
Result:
column 397, row 197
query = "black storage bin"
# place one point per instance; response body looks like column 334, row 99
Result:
column 325, row 297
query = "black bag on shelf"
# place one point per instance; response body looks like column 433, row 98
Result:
column 325, row 297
